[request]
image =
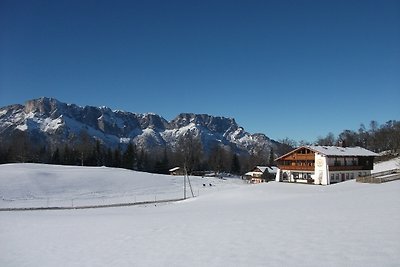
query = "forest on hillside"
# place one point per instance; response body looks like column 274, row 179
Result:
column 87, row 151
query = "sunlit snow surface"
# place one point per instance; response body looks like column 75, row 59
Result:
column 39, row 185
column 229, row 224
column 387, row 165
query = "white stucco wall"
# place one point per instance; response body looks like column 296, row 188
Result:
column 278, row 174
column 321, row 170
column 348, row 175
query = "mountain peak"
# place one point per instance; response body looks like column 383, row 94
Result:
column 57, row 123
column 42, row 105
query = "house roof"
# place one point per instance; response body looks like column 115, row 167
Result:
column 271, row 169
column 262, row 168
column 336, row 151
column 342, row 151
column 251, row 173
column 174, row 169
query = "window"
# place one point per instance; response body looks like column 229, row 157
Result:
column 351, row 175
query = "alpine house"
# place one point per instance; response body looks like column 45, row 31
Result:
column 324, row 164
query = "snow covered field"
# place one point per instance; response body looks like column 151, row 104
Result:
column 229, row 224
column 39, row 185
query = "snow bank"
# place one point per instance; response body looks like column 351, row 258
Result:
column 387, row 165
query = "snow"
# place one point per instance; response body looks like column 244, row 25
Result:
column 22, row 127
column 387, row 165
column 174, row 169
column 40, row 185
column 107, row 116
column 229, row 224
column 342, row 151
column 30, row 120
column 49, row 125
column 124, row 140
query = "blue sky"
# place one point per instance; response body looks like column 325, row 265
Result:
column 296, row 69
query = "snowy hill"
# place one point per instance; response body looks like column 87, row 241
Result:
column 50, row 121
column 387, row 165
column 42, row 185
column 229, row 224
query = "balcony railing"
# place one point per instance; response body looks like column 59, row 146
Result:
column 331, row 168
column 348, row 168
column 296, row 168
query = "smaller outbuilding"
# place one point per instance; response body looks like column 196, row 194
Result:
column 260, row 174
column 176, row 171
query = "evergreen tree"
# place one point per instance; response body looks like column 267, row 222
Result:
column 129, row 157
column 117, row 162
column 68, row 157
column 98, row 154
column 161, row 166
column 216, row 159
column 108, row 158
column 140, row 160
column 3, row 153
column 235, row 164
column 55, row 159
column 271, row 157
column 43, row 155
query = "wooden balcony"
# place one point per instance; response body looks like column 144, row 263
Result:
column 296, row 156
column 305, row 156
column 348, row 168
column 296, row 168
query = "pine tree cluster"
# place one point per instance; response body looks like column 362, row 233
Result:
column 86, row 151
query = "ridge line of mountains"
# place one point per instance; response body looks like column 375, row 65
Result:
column 49, row 121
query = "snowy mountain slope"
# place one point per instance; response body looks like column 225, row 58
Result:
column 50, row 120
column 271, row 224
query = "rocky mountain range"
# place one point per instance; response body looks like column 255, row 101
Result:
column 49, row 121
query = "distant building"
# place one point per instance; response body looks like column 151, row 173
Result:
column 324, row 164
column 176, row 171
column 258, row 175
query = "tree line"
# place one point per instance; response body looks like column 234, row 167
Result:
column 86, row 151
column 377, row 138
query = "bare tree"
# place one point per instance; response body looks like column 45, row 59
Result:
column 286, row 145
column 189, row 151
column 328, row 140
